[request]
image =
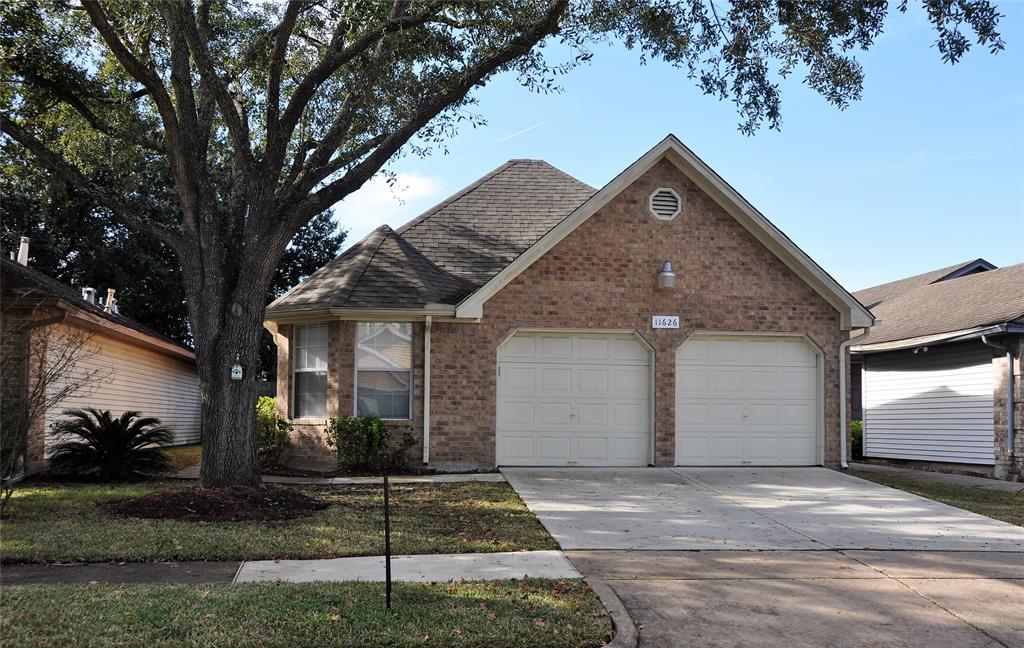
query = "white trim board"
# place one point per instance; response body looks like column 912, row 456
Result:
column 852, row 313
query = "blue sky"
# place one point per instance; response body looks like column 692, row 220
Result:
column 927, row 170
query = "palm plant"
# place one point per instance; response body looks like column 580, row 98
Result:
column 122, row 448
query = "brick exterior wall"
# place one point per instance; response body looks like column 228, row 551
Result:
column 1004, row 469
column 603, row 276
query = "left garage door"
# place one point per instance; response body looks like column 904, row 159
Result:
column 573, row 400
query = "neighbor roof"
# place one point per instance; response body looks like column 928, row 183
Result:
column 873, row 296
column 36, row 285
column 955, row 305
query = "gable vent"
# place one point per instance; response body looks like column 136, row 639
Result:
column 664, row 204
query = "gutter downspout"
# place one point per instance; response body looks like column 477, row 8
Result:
column 844, row 433
column 1010, row 440
column 426, row 390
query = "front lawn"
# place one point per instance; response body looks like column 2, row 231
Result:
column 497, row 614
column 1001, row 505
column 61, row 523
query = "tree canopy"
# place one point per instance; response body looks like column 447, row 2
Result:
column 264, row 115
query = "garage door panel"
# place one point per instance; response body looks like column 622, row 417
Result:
column 590, row 399
column 746, row 401
column 517, row 413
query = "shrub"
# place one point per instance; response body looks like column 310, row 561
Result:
column 857, row 438
column 364, row 443
column 273, row 433
column 95, row 443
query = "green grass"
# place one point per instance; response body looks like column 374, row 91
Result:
column 1001, row 505
column 532, row 613
column 183, row 456
column 61, row 523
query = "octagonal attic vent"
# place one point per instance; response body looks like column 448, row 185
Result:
column 664, row 204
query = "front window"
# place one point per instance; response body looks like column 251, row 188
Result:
column 310, row 372
column 384, row 369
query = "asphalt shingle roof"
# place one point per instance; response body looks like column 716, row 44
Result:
column 31, row 282
column 976, row 300
column 450, row 250
column 877, row 294
column 381, row 271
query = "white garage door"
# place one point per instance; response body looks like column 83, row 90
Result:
column 573, row 400
column 930, row 406
column 746, row 401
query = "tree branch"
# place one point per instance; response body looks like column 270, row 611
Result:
column 339, row 54
column 230, row 108
column 76, row 178
column 440, row 101
column 284, row 31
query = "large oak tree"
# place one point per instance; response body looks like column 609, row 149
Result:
column 265, row 115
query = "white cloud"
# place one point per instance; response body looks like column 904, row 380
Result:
column 380, row 203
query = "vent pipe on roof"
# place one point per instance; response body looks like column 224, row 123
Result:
column 23, row 251
column 110, row 306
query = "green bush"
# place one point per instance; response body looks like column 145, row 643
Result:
column 857, row 438
column 95, row 443
column 364, row 443
column 273, row 433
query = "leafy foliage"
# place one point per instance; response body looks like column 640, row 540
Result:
column 264, row 115
column 857, row 438
column 364, row 444
column 122, row 448
column 272, row 432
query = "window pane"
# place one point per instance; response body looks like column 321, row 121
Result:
column 384, row 394
column 384, row 345
column 310, row 394
column 311, row 347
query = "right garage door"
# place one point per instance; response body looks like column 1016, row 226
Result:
column 746, row 401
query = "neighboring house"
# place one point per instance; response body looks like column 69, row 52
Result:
column 133, row 367
column 934, row 371
column 533, row 320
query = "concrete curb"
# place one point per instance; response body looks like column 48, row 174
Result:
column 626, row 635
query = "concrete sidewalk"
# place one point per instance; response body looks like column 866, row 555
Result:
column 944, row 478
column 192, row 472
column 417, row 569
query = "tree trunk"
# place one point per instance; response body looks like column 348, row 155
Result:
column 227, row 331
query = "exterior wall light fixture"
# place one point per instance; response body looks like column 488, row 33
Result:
column 666, row 278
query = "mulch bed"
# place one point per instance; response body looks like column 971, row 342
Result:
column 218, row 505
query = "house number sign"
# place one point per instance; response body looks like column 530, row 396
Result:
column 665, row 321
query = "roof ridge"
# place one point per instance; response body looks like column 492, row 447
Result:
column 468, row 189
column 430, row 261
column 383, row 237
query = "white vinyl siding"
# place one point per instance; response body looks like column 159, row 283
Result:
column 129, row 377
column 573, row 400
column 746, row 401
column 932, row 406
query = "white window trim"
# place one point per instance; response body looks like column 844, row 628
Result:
column 356, row 370
column 294, row 370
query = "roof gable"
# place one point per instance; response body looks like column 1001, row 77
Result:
column 853, row 314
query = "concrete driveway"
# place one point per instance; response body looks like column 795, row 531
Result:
column 746, row 509
column 784, row 557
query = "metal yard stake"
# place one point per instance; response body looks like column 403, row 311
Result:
column 387, row 544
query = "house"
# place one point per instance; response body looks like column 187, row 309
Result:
column 116, row 363
column 532, row 320
column 940, row 372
